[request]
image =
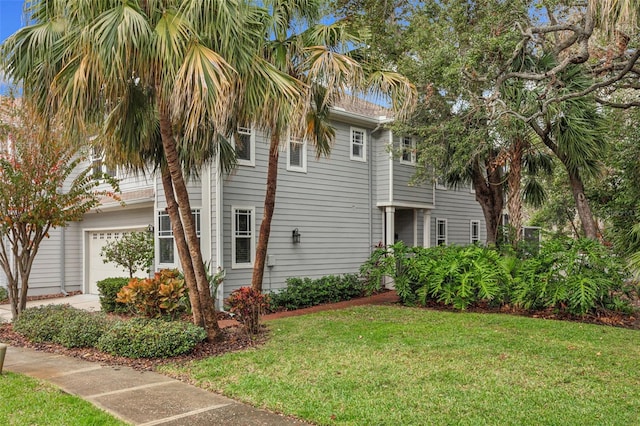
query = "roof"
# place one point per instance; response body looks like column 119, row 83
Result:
column 360, row 106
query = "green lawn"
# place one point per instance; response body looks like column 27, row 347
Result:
column 383, row 365
column 27, row 401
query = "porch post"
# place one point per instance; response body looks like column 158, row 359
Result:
column 389, row 237
column 426, row 231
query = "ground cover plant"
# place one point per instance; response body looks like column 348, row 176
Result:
column 27, row 401
column 575, row 277
column 134, row 337
column 396, row 365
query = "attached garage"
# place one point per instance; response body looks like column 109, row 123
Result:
column 96, row 268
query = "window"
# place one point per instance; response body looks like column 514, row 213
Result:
column 358, row 144
column 441, row 232
column 166, row 246
column 243, row 236
column 97, row 163
column 440, row 183
column 474, row 231
column 408, row 150
column 297, row 154
column 244, row 142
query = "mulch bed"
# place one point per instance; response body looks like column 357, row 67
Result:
column 234, row 339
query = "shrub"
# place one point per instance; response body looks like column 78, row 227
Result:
column 61, row 324
column 42, row 323
column 162, row 296
column 573, row 276
column 150, row 338
column 109, row 288
column 305, row 292
column 248, row 304
column 4, row 295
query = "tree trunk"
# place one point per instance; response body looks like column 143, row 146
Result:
column 514, row 182
column 582, row 206
column 183, row 249
column 269, row 207
column 489, row 194
column 180, row 190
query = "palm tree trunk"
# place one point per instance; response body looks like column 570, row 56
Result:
column 514, row 182
column 269, row 207
column 180, row 190
column 183, row 249
column 582, row 205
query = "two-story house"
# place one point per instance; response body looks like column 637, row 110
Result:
column 330, row 212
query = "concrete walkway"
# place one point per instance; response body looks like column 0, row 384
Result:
column 88, row 302
column 138, row 397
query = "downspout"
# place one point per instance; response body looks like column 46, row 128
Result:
column 370, row 197
column 390, row 167
column 219, row 234
column 62, row 263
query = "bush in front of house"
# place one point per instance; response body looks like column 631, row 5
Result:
column 163, row 296
column 4, row 295
column 150, row 338
column 63, row 324
column 109, row 288
column 247, row 305
column 306, row 292
column 573, row 276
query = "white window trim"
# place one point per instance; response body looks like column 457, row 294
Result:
column 252, row 248
column 439, row 185
column 446, row 231
column 364, row 144
column 98, row 156
column 157, row 237
column 293, row 167
column 471, row 225
column 412, row 150
column 252, row 146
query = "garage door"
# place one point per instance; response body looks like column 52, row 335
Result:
column 98, row 270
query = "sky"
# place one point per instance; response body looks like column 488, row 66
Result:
column 10, row 22
column 10, row 17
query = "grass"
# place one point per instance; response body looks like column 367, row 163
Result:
column 27, row 401
column 383, row 365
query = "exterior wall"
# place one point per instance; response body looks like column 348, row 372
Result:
column 459, row 207
column 403, row 191
column 330, row 205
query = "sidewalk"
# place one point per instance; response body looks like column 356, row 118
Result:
column 88, row 302
column 138, row 397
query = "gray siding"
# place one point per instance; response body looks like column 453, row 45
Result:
column 330, row 204
column 459, row 207
column 403, row 190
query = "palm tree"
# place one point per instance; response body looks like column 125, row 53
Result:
column 184, row 59
column 319, row 58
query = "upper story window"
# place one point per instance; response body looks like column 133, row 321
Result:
column 474, row 231
column 244, row 142
column 440, row 183
column 166, row 244
column 98, row 166
column 243, row 239
column 358, row 144
column 408, row 150
column 441, row 232
column 297, row 154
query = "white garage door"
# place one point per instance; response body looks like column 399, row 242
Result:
column 98, row 270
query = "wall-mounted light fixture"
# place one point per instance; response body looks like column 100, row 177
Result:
column 295, row 234
column 150, row 228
